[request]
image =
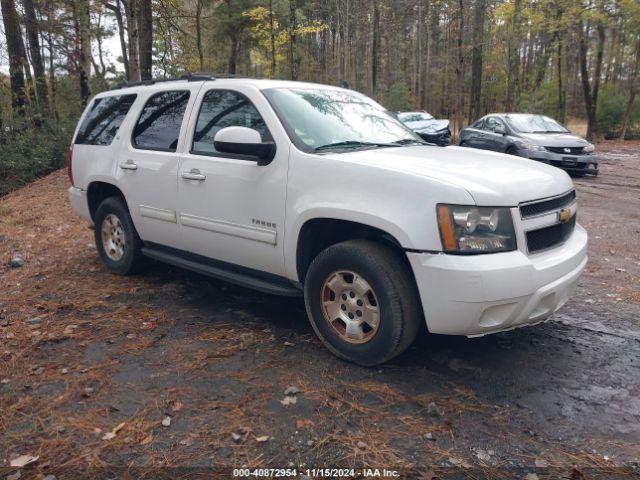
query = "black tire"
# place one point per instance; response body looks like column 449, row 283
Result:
column 463, row 144
column 512, row 151
column 132, row 259
column 391, row 280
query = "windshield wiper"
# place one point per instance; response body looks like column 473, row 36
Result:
column 411, row 141
column 354, row 144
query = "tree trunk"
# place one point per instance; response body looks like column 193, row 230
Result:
column 33, row 35
column 199, row 34
column 476, row 60
column 132, row 34
column 117, row 11
column 590, row 92
column 562, row 94
column 375, row 47
column 633, row 91
column 513, row 58
column 273, row 39
column 83, row 46
column 145, row 25
column 459, row 68
column 292, row 40
column 15, row 49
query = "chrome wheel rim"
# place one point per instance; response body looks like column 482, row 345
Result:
column 350, row 306
column 113, row 237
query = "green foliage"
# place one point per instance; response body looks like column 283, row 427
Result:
column 29, row 153
column 612, row 103
column 398, row 97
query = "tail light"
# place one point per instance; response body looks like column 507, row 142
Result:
column 69, row 164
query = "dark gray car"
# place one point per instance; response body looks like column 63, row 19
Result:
column 532, row 136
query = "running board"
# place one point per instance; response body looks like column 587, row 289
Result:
column 256, row 280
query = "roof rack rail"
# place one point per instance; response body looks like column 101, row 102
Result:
column 189, row 77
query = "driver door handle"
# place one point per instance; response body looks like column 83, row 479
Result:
column 194, row 174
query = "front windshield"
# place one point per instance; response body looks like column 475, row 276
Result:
column 535, row 124
column 321, row 119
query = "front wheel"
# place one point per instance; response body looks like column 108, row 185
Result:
column 362, row 301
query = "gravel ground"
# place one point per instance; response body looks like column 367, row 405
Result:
column 170, row 374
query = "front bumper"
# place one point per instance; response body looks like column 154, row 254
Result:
column 571, row 163
column 478, row 294
column 79, row 203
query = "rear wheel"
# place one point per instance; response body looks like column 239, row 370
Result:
column 362, row 301
column 117, row 241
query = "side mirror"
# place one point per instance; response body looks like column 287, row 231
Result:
column 244, row 141
column 500, row 130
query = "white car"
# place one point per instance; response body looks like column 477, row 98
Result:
column 304, row 189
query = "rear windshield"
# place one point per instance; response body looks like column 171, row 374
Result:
column 103, row 120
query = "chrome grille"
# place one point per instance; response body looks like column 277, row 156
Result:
column 540, row 207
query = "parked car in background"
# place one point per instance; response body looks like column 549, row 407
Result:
column 430, row 129
column 532, row 136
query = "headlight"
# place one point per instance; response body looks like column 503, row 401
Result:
column 532, row 147
column 588, row 149
column 469, row 229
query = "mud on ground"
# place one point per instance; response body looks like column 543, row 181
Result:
column 91, row 364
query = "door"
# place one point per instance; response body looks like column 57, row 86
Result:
column 473, row 134
column 231, row 208
column 492, row 140
column 148, row 164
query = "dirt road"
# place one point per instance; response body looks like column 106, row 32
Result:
column 170, row 373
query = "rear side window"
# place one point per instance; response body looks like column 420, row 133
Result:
column 103, row 120
column 225, row 108
column 158, row 127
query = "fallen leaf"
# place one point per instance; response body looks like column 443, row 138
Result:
column 236, row 437
column 303, row 423
column 262, row 438
column 292, row 390
column 459, row 462
column 109, row 436
column 288, row 400
column 146, row 440
column 187, row 442
column 23, row 460
column 177, row 406
column 541, row 463
column 119, row 427
column 531, row 476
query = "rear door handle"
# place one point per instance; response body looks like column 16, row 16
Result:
column 128, row 165
column 194, row 174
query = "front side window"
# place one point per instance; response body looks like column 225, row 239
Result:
column 319, row 119
column 158, row 127
column 478, row 124
column 103, row 120
column 225, row 108
column 490, row 124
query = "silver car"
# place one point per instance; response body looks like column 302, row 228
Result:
column 532, row 136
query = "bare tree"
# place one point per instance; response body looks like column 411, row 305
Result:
column 15, row 49
column 476, row 59
column 145, row 25
column 590, row 88
column 117, row 12
column 132, row 34
column 33, row 35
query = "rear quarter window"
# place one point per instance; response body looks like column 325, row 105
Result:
column 101, row 124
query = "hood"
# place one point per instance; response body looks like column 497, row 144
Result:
column 554, row 139
column 492, row 179
column 428, row 126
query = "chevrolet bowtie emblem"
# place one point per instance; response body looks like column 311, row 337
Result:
column 564, row 215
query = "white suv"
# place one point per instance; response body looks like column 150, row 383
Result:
column 295, row 188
